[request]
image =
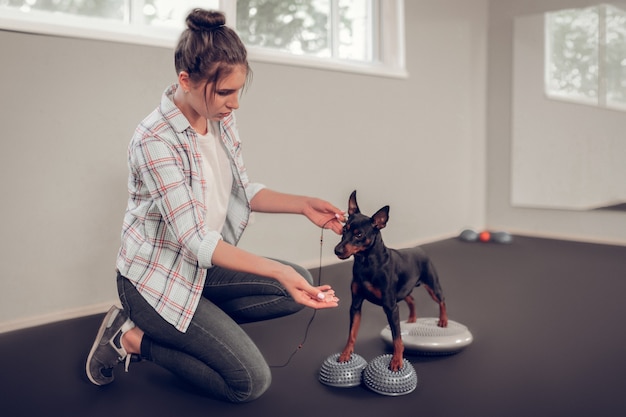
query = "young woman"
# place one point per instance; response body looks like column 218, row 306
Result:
column 184, row 285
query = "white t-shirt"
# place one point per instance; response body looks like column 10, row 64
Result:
column 218, row 177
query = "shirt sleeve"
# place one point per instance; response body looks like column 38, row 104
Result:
column 162, row 169
column 252, row 188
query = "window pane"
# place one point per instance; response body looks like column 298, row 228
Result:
column 615, row 56
column 172, row 13
column 113, row 9
column 573, row 54
column 322, row 28
column 296, row 26
column 355, row 30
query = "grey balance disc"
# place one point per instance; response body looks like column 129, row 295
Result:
column 342, row 374
column 426, row 338
column 379, row 378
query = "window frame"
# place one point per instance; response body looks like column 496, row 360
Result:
column 390, row 31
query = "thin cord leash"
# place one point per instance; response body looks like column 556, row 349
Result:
column 308, row 326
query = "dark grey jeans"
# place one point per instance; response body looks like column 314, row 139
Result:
column 215, row 354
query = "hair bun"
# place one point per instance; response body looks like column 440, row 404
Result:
column 204, row 20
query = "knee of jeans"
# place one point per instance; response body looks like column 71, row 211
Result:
column 288, row 306
column 260, row 381
column 295, row 307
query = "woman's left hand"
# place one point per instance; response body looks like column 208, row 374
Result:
column 324, row 214
column 319, row 211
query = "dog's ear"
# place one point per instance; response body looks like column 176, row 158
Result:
column 380, row 218
column 353, row 207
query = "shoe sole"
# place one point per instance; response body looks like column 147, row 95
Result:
column 106, row 323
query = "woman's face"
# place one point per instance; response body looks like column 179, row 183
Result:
column 226, row 98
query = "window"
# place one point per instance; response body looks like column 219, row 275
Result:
column 352, row 35
column 152, row 22
column 586, row 56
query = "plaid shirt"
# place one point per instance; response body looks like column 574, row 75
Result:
column 165, row 249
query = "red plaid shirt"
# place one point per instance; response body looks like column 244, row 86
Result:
column 165, row 249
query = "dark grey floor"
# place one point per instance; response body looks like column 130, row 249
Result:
column 549, row 340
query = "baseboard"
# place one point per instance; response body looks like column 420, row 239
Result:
column 568, row 237
column 56, row 316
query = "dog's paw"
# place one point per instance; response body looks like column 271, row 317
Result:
column 396, row 363
column 345, row 356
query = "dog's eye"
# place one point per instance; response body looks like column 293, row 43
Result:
column 359, row 235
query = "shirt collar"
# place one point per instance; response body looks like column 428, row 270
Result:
column 175, row 117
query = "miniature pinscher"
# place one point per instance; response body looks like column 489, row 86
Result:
column 384, row 276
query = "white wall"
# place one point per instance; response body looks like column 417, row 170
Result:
column 598, row 225
column 70, row 107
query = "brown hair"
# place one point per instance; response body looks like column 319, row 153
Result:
column 208, row 50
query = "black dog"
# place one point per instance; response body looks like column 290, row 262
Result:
column 384, row 276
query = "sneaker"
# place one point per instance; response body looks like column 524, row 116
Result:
column 107, row 350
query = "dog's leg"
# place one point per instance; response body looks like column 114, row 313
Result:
column 430, row 279
column 355, row 323
column 393, row 317
column 410, row 301
column 347, row 351
column 443, row 314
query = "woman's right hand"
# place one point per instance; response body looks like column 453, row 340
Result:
column 302, row 292
column 231, row 257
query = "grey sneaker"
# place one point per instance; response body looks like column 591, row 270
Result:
column 107, row 350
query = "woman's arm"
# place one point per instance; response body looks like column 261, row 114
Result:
column 233, row 258
column 320, row 212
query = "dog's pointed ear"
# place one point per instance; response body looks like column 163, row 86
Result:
column 380, row 218
column 353, row 207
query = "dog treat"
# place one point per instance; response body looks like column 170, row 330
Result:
column 327, row 297
column 341, row 218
